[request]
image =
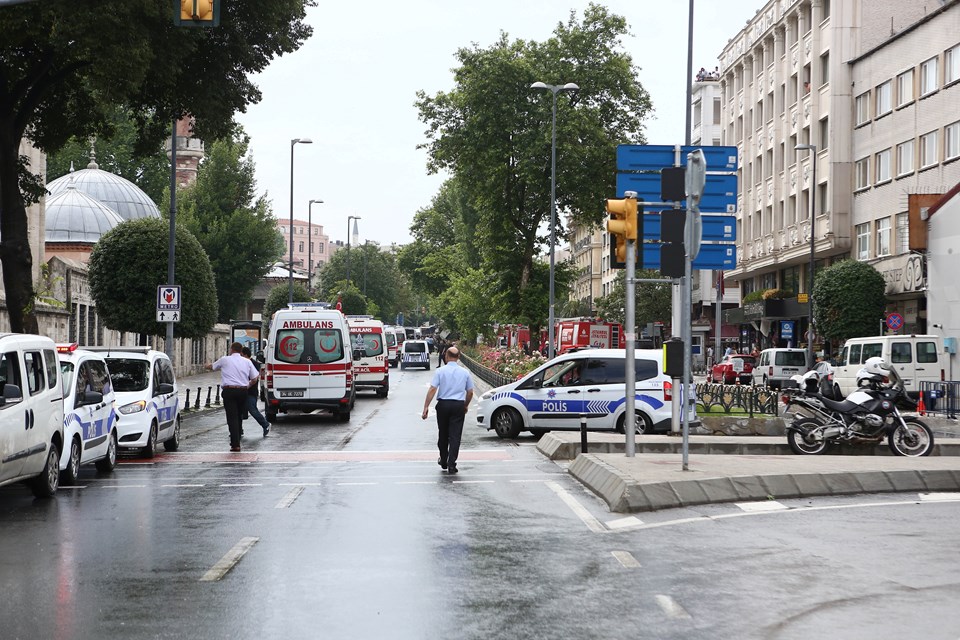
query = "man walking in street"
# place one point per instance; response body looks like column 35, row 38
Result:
column 236, row 375
column 252, row 394
column 453, row 387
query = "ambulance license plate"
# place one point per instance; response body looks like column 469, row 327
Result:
column 292, row 394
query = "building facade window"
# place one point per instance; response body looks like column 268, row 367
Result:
column 903, row 232
column 905, row 88
column 824, row 134
column 862, row 174
column 863, row 241
column 905, row 158
column 825, row 68
column 951, row 141
column 928, row 150
column 863, row 108
column 320, row 248
column 884, row 95
column 883, row 166
column 883, row 237
column 928, row 77
column 300, row 245
column 951, row 65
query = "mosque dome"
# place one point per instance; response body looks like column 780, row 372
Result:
column 73, row 216
column 119, row 194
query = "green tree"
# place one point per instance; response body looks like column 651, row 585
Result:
column 130, row 262
column 235, row 227
column 849, row 299
column 115, row 154
column 493, row 133
column 652, row 300
column 374, row 275
column 279, row 297
column 68, row 65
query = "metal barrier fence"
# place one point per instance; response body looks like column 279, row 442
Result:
column 729, row 397
column 941, row 398
column 491, row 377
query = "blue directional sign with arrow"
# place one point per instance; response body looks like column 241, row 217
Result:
column 711, row 256
column 719, row 192
column 715, row 228
column 653, row 157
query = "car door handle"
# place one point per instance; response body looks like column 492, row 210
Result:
column 593, row 390
column 574, row 391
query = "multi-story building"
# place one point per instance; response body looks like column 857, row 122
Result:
column 309, row 243
column 906, row 150
column 586, row 252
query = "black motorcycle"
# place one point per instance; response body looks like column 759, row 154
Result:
column 865, row 416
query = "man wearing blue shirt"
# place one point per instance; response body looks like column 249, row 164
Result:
column 453, row 387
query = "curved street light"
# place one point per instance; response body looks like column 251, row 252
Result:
column 293, row 143
column 310, row 243
column 812, row 148
column 554, row 89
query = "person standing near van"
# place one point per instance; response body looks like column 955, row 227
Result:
column 236, row 375
column 252, row 393
column 453, row 387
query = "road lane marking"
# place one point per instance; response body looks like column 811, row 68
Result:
column 624, row 523
column 356, row 484
column 242, row 484
column 473, row 482
column 288, row 499
column 72, row 486
column 300, row 484
column 756, row 507
column 181, row 485
column 229, row 561
column 417, row 482
column 626, row 559
column 124, row 486
column 581, row 512
column 672, row 608
column 943, row 496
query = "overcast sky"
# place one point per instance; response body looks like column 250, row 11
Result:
column 352, row 86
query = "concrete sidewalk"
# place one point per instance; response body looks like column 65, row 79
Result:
column 206, row 383
column 757, row 471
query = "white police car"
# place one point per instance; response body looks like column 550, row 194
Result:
column 89, row 415
column 146, row 394
column 589, row 382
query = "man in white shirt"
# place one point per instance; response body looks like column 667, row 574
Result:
column 236, row 375
column 453, row 387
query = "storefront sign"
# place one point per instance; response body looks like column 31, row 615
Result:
column 903, row 274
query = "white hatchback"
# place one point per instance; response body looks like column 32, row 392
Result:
column 89, row 415
column 588, row 383
column 147, row 402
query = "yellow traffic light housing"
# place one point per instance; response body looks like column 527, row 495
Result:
column 622, row 226
column 197, row 13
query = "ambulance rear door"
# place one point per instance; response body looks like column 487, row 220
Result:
column 310, row 362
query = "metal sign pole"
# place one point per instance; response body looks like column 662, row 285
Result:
column 630, row 414
column 171, row 249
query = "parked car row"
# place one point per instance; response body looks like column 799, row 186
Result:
column 62, row 406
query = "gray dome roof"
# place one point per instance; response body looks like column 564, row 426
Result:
column 121, row 195
column 73, row 216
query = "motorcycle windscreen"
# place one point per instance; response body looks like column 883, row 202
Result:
column 310, row 364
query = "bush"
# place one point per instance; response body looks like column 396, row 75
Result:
column 513, row 363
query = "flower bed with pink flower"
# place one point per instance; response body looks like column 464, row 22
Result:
column 512, row 363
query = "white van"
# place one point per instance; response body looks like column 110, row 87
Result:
column 370, row 370
column 308, row 363
column 916, row 358
column 393, row 338
column 31, row 412
column 776, row 366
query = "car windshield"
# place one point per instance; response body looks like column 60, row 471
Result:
column 370, row 343
column 66, row 374
column 128, row 374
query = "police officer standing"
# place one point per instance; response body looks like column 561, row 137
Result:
column 453, row 387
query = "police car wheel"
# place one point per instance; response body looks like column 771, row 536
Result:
column 507, row 422
column 69, row 475
column 150, row 449
column 642, row 423
column 109, row 461
column 174, row 442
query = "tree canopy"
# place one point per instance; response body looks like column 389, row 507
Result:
column 130, row 262
column 492, row 132
column 234, row 226
column 68, row 65
column 375, row 280
column 849, row 298
column 652, row 300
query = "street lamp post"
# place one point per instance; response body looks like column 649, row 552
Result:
column 310, row 243
column 812, row 148
column 553, row 89
column 355, row 232
column 293, row 143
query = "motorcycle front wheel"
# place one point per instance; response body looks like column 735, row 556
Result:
column 801, row 436
column 915, row 440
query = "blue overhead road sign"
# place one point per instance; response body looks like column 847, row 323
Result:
column 715, row 228
column 719, row 193
column 653, row 157
column 711, row 256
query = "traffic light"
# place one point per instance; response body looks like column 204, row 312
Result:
column 196, row 13
column 622, row 226
column 673, row 357
column 672, row 251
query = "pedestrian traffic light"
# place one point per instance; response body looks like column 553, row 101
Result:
column 672, row 251
column 196, row 13
column 622, row 226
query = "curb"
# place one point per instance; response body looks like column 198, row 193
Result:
column 624, row 494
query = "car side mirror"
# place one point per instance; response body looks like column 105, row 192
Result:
column 92, row 397
column 163, row 389
column 358, row 354
column 538, row 383
column 260, row 355
column 11, row 395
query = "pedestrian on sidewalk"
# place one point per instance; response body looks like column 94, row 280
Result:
column 252, row 393
column 236, row 375
column 453, row 387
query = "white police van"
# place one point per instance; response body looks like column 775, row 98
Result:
column 590, row 383
column 89, row 415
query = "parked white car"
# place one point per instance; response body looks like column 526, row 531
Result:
column 89, row 415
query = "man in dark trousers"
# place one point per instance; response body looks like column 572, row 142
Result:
column 236, row 375
column 453, row 387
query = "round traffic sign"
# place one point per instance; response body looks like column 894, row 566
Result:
column 894, row 321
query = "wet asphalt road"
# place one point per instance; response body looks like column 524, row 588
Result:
column 329, row 530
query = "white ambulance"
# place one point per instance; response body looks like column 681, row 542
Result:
column 308, row 362
column 370, row 370
column 392, row 337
